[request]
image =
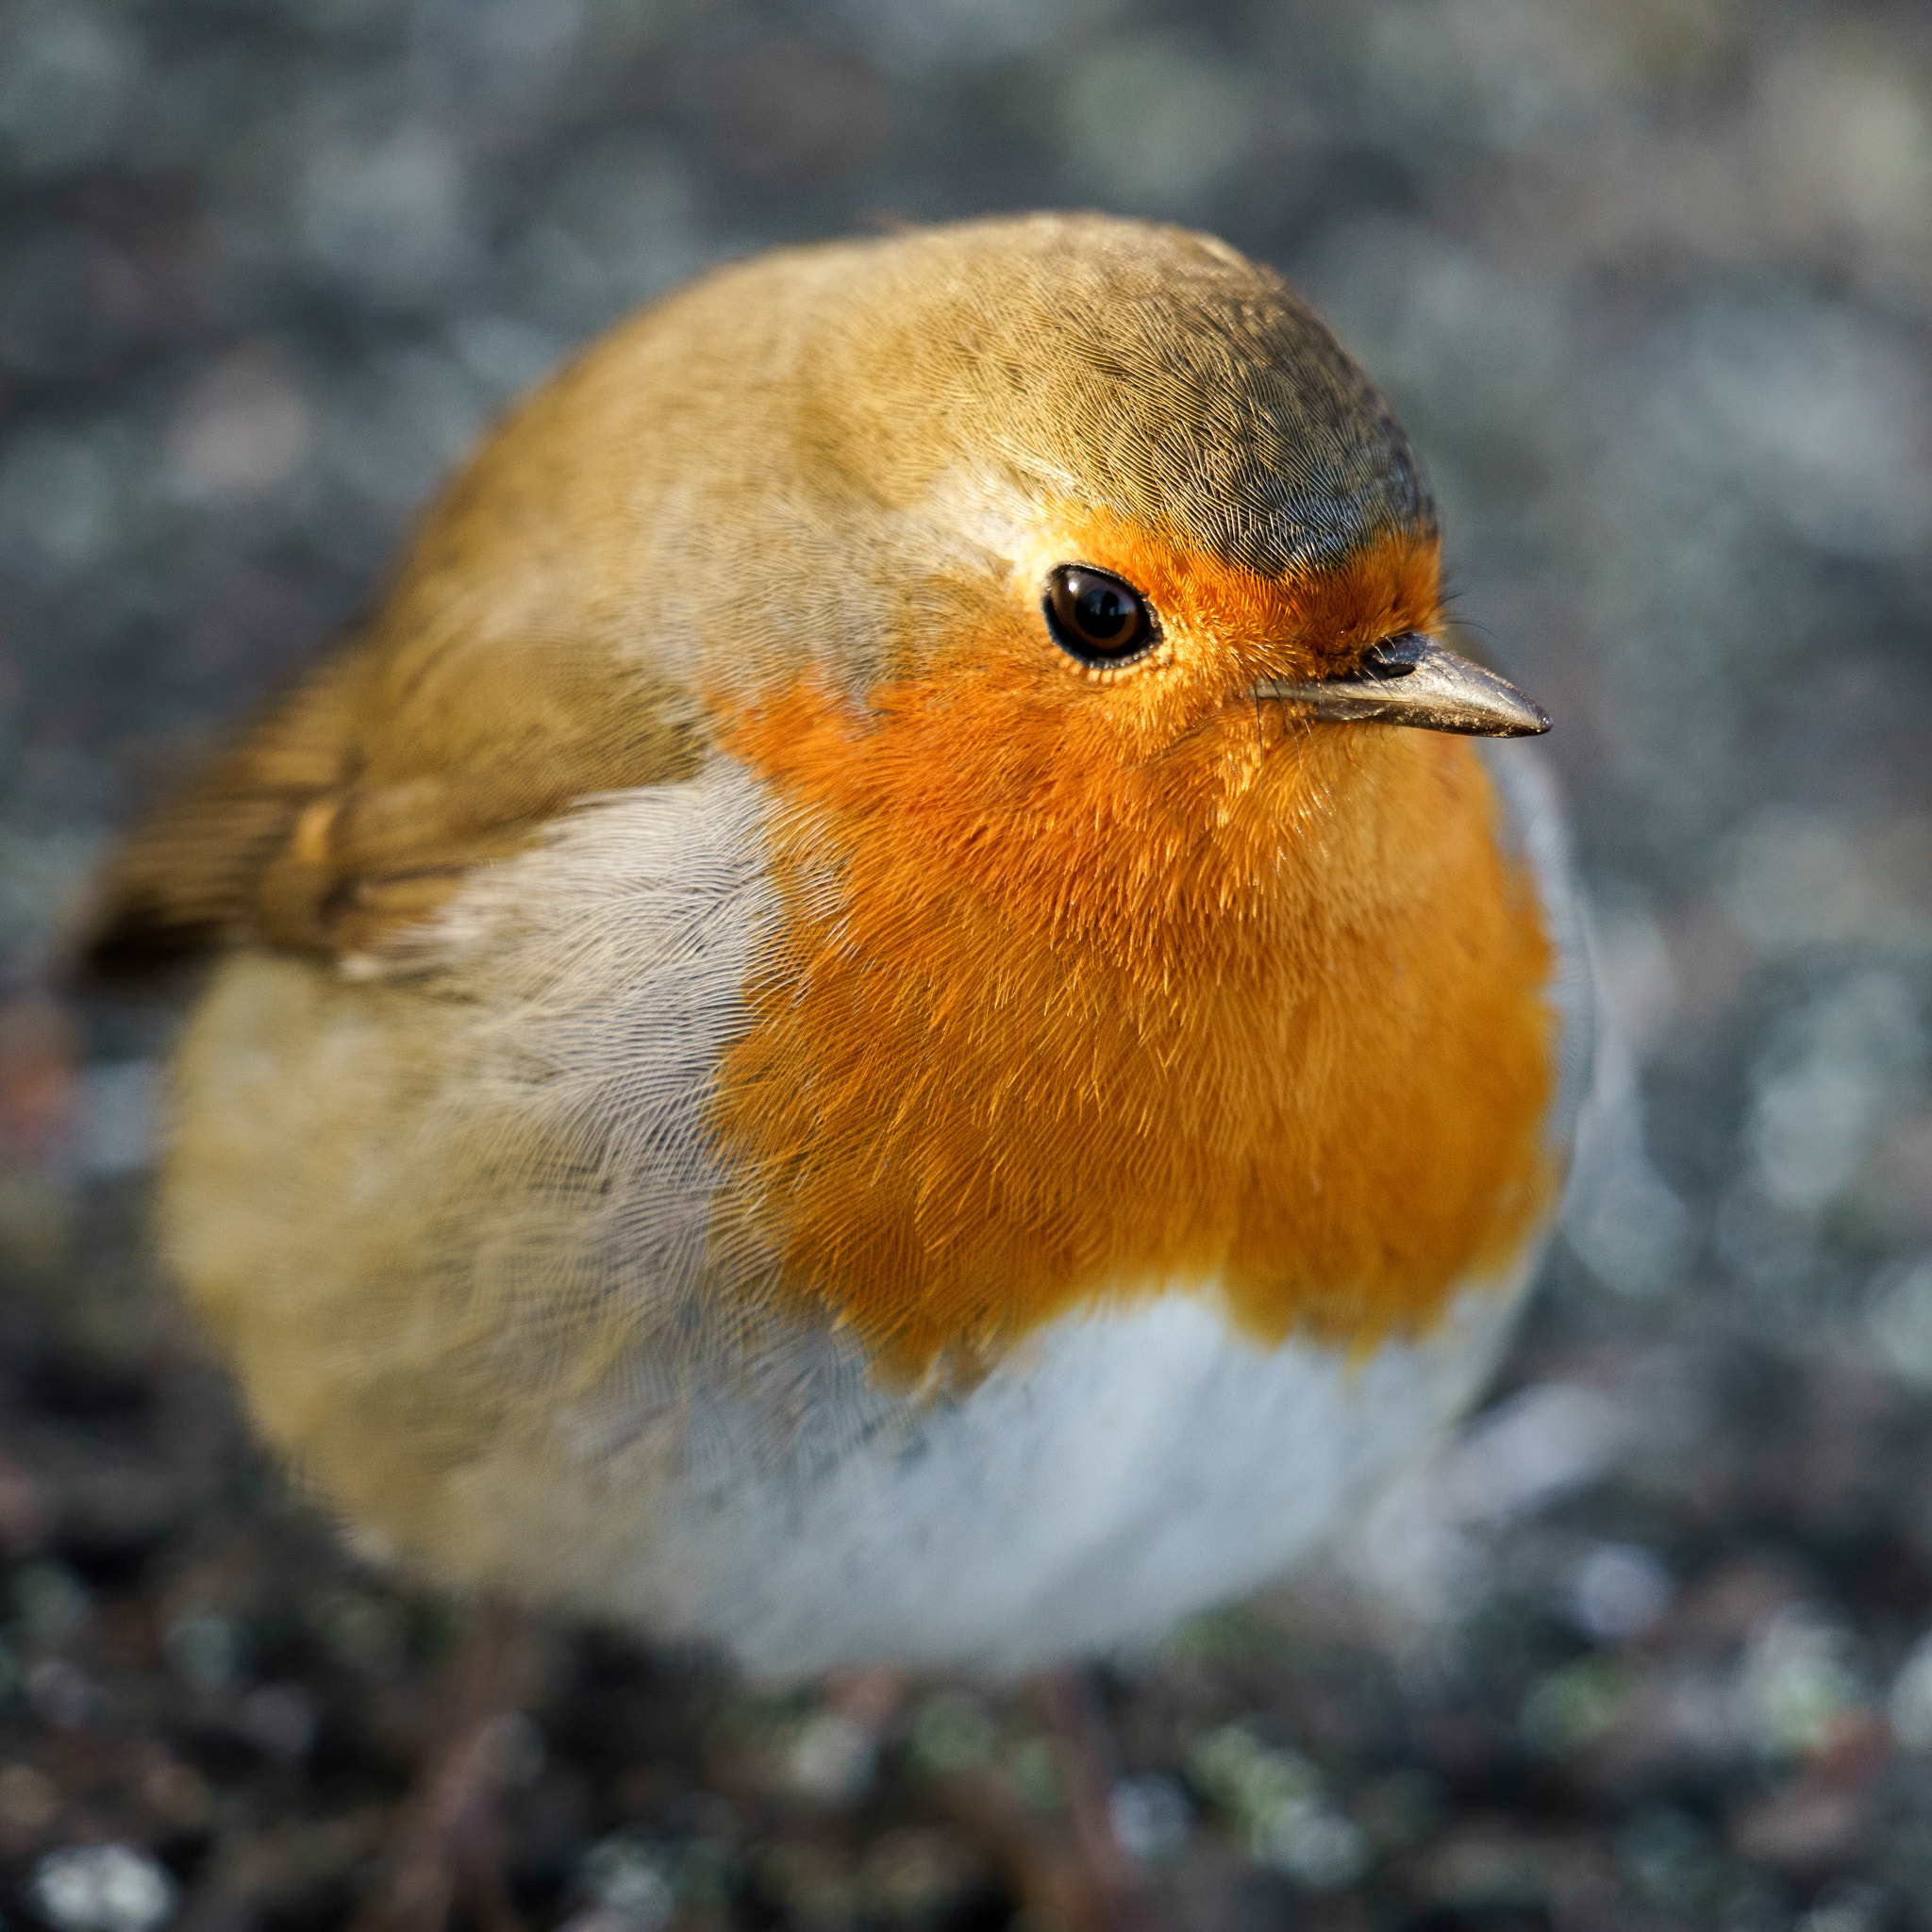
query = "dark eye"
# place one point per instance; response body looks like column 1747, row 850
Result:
column 1095, row 617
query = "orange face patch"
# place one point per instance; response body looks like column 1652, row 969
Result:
column 1105, row 988
column 1244, row 625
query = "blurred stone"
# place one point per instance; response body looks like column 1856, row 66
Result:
column 617, row 223
column 1901, row 1177
column 27, row 1798
column 1796, row 879
column 1401, row 1810
column 58, row 501
column 1419, row 1550
column 1472, row 354
column 1489, row 1866
column 37, row 1226
column 1620, row 1590
column 1857, row 1749
column 1275, row 1798
column 787, row 109
column 1771, row 1247
column 506, row 356
column 63, row 1694
column 1801, row 1828
column 1033, row 1766
column 1634, row 975
column 1541, row 1444
column 628, row 1877
column 1680, row 1718
column 113, row 1887
column 1155, row 123
column 46, row 308
column 24, row 1513
column 1493, row 74
column 280, row 1718
column 1848, row 137
column 602, row 1919
column 952, row 1732
column 38, row 1085
column 240, row 429
column 1621, row 1219
column 1672, row 1861
column 365, row 1634
column 1803, row 408
column 1897, row 858
column 872, row 1695
column 66, row 74
column 508, row 57
column 1832, row 1075
column 815, row 1882
column 1711, row 960
column 1316, row 1846
column 209, row 1652
column 1797, row 1679
column 1572, row 1707
column 911, row 38
column 919, row 1873
column 51, row 1602
column 257, row 1871
column 175, row 1793
column 1898, row 1318
column 1909, row 1706
column 1739, row 1596
column 388, row 216
column 1152, row 1818
column 395, row 431
column 832, row 1760
column 1849, row 1905
column 120, row 1108
column 515, row 1742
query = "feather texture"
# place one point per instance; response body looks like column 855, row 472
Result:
column 720, row 1013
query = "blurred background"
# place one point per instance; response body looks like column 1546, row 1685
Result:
column 1650, row 282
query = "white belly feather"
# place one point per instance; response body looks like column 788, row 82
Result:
column 1126, row 1470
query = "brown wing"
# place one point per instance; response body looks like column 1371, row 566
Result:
column 516, row 664
column 344, row 818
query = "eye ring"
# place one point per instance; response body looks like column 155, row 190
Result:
column 1095, row 617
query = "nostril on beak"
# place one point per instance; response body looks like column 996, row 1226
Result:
column 1392, row 657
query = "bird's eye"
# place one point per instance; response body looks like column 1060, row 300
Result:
column 1096, row 617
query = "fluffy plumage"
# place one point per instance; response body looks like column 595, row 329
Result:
column 720, row 1013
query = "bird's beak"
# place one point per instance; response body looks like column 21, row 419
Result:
column 1412, row 681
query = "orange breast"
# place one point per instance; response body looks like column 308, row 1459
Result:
column 1041, row 1028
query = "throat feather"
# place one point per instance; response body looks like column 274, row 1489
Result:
column 1008, row 1060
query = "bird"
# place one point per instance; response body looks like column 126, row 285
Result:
column 897, row 1005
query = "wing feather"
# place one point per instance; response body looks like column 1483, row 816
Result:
column 341, row 821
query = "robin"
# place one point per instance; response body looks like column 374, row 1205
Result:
column 885, row 1012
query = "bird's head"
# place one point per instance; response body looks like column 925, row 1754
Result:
column 1064, row 543
column 1069, row 588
